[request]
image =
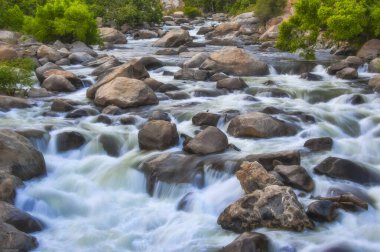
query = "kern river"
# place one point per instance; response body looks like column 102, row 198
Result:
column 91, row 201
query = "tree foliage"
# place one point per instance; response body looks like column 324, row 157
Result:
column 11, row 16
column 15, row 75
column 354, row 21
column 211, row 5
column 266, row 9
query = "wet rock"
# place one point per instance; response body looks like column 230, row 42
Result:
column 112, row 35
column 63, row 62
column 218, row 77
column 248, row 242
column 340, row 168
column 167, row 88
column 374, row 66
column 231, row 84
column 370, row 50
column 311, row 77
column 19, row 219
column 206, row 119
column 153, row 84
column 348, row 189
column 13, row 240
column 58, row 83
column 70, row 140
column 18, row 156
column 104, row 119
column 259, row 125
column 295, row 176
column 235, row 61
column 253, row 176
column 178, row 95
column 80, row 57
column 38, row 93
column 185, row 204
column 7, row 52
column 73, row 78
column 42, row 69
column 125, row 92
column 224, row 29
column 322, row 211
column 174, row 168
column 205, row 29
column 9, row 102
column 8, row 187
column 167, row 51
column 49, row 53
column 128, row 120
column 174, row 38
column 356, row 99
column 353, row 61
column 191, row 74
column 270, row 160
column 60, row 105
column 151, row 63
column 203, row 92
column 106, row 66
column 111, row 144
column 196, row 61
column 347, row 201
column 374, row 83
column 211, row 140
column 82, row 112
column 112, row 110
column 145, row 34
column 133, row 69
column 83, row 48
column 334, row 68
column 159, row 115
column 319, row 144
column 273, row 207
column 158, row 135
column 347, row 73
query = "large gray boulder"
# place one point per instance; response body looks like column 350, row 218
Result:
column 174, row 38
column 112, row 35
column 370, row 50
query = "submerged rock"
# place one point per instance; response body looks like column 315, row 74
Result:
column 70, row 140
column 248, row 242
column 319, row 144
column 322, row 211
column 273, row 207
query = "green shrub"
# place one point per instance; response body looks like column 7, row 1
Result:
column 354, row 21
column 266, row 9
column 65, row 20
column 15, row 75
column 211, row 5
column 241, row 6
column 11, row 16
column 192, row 12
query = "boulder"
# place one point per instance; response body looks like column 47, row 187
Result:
column 151, row 63
column 106, row 66
column 374, row 83
column 7, row 52
column 158, row 135
column 125, row 92
column 206, row 119
column 196, row 61
column 218, row 76
column 295, row 176
column 336, row 67
column 9, row 36
column 111, row 144
column 80, row 57
column 322, row 211
column 178, row 95
column 112, row 110
column 10, row 102
column 42, row 69
column 340, row 168
column 173, row 168
column 232, row 84
column 248, row 242
column 270, row 160
column 82, row 48
column 353, row 61
column 18, row 156
column 311, row 77
column 235, row 61
column 69, row 140
column 273, row 207
column 8, row 187
column 73, row 78
column 224, row 29
column 145, row 34
column 58, row 83
column 174, row 38
column 38, row 93
column 159, row 115
column 153, row 84
column 270, row 34
column 370, row 50
column 13, row 240
column 112, row 35
column 347, row 73
column 259, row 125
column 50, row 53
column 132, row 69
column 19, row 219
column 191, row 74
column 205, row 29
column 211, row 140
column 253, row 176
column 319, row 144
column 374, row 66
column 104, row 119
column 60, row 105
column 82, row 112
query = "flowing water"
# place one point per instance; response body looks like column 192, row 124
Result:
column 93, row 202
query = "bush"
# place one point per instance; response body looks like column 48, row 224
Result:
column 65, row 20
column 266, row 9
column 192, row 12
column 11, row 17
column 340, row 20
column 241, row 6
column 211, row 5
column 15, row 75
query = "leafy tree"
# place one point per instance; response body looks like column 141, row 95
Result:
column 15, row 75
column 192, row 12
column 11, row 16
column 266, row 9
column 66, row 20
column 241, row 6
column 211, row 5
column 354, row 21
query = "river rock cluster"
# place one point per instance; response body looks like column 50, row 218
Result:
column 272, row 182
